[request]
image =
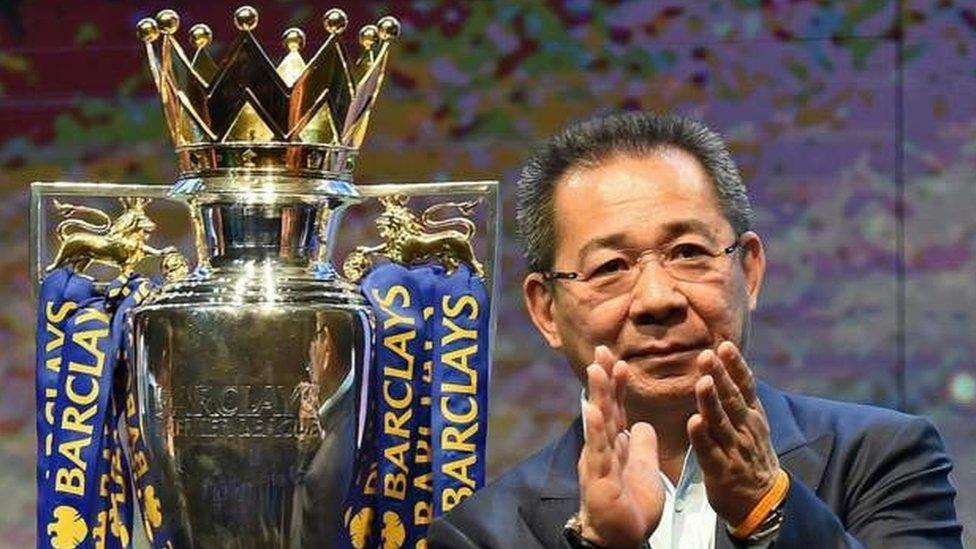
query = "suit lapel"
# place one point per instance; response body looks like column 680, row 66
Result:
column 558, row 490
column 803, row 457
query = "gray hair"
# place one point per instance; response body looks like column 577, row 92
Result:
column 589, row 143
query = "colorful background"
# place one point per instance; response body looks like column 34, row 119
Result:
column 854, row 124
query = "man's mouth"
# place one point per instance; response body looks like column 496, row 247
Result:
column 653, row 351
column 663, row 357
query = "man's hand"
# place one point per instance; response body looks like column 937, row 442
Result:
column 621, row 496
column 730, row 434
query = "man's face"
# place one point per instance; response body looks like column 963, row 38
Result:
column 620, row 208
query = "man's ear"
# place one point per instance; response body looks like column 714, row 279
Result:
column 753, row 266
column 539, row 301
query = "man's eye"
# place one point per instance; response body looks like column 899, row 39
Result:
column 610, row 267
column 688, row 251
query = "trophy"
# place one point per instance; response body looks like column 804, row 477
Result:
column 251, row 416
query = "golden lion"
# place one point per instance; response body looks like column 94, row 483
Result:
column 409, row 240
column 120, row 243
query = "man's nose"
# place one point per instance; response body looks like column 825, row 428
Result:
column 655, row 297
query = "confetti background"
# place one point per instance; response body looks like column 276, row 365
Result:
column 854, row 124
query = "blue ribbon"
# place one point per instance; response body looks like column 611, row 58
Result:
column 431, row 341
column 459, row 393
column 84, row 492
column 58, row 299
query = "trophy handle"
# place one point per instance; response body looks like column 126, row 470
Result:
column 409, row 237
column 86, row 236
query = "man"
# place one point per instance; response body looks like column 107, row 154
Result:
column 643, row 273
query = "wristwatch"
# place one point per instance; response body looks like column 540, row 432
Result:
column 766, row 531
column 768, row 528
column 573, row 532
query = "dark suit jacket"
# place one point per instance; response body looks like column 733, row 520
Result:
column 860, row 476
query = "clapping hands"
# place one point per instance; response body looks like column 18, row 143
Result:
column 621, row 496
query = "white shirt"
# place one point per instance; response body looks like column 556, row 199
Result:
column 688, row 521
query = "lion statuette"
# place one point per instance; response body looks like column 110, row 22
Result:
column 412, row 241
column 119, row 243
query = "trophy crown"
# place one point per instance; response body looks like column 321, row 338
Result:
column 304, row 116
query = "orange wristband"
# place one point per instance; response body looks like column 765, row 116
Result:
column 769, row 501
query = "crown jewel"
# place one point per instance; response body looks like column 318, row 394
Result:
column 299, row 117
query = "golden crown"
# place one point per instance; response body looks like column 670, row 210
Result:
column 248, row 114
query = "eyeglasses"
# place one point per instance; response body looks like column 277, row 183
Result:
column 617, row 273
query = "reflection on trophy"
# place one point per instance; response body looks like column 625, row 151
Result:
column 244, row 368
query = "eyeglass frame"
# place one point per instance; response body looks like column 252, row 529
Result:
column 551, row 276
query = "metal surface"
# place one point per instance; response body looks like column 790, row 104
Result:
column 245, row 368
column 43, row 193
column 249, row 414
column 247, row 113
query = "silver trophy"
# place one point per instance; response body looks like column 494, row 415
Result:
column 245, row 366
